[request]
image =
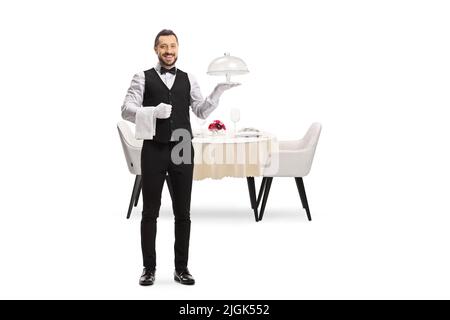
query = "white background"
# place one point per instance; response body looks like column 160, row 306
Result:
column 376, row 74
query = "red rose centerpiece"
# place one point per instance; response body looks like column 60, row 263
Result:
column 216, row 126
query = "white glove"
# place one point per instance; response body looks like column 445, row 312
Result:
column 163, row 111
column 222, row 87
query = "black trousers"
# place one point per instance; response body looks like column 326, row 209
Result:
column 156, row 162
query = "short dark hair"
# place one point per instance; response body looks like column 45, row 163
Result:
column 164, row 32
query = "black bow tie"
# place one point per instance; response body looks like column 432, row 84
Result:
column 164, row 70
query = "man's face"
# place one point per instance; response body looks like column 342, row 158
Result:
column 167, row 50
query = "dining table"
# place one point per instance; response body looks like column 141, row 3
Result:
column 241, row 155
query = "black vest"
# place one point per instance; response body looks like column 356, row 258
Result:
column 179, row 97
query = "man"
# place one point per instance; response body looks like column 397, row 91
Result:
column 158, row 102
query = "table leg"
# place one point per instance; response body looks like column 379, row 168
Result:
column 261, row 190
column 252, row 193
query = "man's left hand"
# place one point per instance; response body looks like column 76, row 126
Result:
column 223, row 86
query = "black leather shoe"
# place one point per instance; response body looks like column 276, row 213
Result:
column 147, row 278
column 184, row 277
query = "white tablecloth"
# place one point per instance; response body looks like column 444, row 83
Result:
column 217, row 157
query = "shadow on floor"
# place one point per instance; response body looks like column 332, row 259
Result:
column 232, row 214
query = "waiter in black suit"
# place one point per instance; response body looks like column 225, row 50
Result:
column 158, row 102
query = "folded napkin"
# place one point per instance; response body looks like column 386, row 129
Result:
column 145, row 123
column 249, row 130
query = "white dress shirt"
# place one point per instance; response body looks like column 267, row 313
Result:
column 145, row 119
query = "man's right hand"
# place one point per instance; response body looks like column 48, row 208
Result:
column 163, row 111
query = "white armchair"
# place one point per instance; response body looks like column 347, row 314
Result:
column 132, row 150
column 293, row 159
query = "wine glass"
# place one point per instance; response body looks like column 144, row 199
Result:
column 235, row 116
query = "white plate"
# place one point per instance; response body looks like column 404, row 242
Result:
column 248, row 134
